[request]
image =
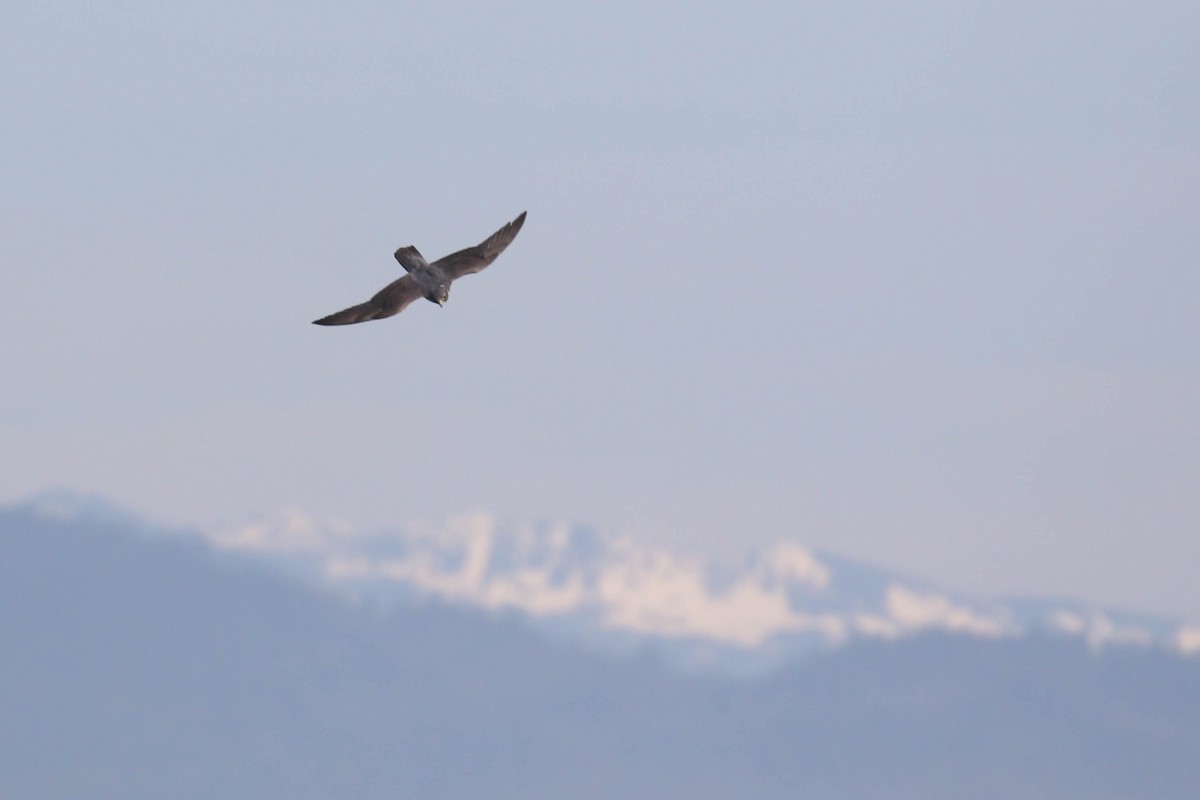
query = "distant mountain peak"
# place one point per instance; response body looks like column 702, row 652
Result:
column 780, row 602
column 611, row 591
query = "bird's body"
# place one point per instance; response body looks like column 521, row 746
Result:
column 431, row 281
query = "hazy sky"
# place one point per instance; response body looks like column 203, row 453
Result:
column 912, row 282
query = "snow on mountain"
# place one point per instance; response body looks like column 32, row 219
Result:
column 613, row 593
column 610, row 591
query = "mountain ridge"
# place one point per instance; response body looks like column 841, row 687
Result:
column 772, row 606
column 572, row 581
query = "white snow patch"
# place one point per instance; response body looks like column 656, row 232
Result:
column 1188, row 640
column 919, row 611
column 288, row 531
column 793, row 562
column 1098, row 629
column 1068, row 622
column 656, row 593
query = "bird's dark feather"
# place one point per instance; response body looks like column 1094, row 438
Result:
column 410, row 258
column 473, row 259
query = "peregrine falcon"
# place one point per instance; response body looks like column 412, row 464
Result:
column 431, row 281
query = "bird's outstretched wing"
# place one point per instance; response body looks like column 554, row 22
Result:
column 473, row 259
column 410, row 258
column 387, row 302
column 348, row 316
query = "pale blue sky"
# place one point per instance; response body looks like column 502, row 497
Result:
column 911, row 282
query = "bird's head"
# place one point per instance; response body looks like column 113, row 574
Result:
column 439, row 294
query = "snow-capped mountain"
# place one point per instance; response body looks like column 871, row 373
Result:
column 608, row 591
column 612, row 593
column 197, row 657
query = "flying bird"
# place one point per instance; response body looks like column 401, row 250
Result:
column 431, row 281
